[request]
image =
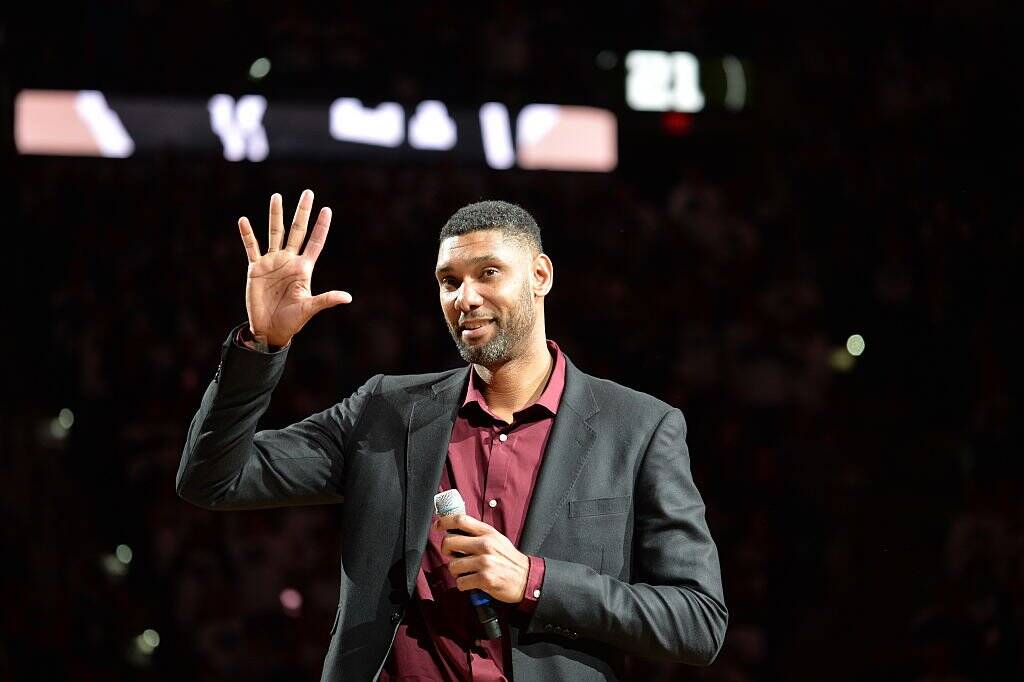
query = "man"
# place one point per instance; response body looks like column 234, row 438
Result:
column 583, row 521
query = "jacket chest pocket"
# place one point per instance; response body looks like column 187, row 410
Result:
column 602, row 527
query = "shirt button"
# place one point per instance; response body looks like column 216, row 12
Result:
column 492, row 504
column 536, row 594
column 503, row 437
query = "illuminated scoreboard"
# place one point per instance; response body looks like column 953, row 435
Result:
column 671, row 81
column 251, row 127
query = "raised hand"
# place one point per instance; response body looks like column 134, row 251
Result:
column 278, row 297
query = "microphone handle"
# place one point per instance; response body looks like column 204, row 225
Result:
column 485, row 613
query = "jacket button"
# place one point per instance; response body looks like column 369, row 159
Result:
column 395, row 617
column 548, row 627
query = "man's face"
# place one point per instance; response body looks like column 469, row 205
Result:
column 486, row 295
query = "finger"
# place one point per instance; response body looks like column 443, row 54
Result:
column 276, row 223
column 465, row 565
column 252, row 247
column 328, row 299
column 464, row 522
column 297, row 233
column 472, row 581
column 455, row 545
column 319, row 236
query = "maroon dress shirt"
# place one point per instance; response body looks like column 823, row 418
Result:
column 494, row 465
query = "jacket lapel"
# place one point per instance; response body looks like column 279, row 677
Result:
column 430, row 428
column 566, row 453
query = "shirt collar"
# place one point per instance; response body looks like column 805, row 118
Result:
column 549, row 398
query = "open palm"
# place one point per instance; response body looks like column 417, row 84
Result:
column 278, row 294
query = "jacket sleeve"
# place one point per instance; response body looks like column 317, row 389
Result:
column 227, row 464
column 674, row 608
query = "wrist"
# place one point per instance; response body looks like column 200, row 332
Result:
column 268, row 344
column 263, row 343
column 534, row 584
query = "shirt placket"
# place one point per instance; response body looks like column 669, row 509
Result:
column 498, row 458
column 497, row 442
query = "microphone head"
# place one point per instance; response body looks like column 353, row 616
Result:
column 449, row 502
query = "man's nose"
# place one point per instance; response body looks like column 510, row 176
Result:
column 468, row 297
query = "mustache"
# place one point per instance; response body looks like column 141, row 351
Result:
column 463, row 321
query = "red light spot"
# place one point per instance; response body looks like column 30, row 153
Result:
column 676, row 122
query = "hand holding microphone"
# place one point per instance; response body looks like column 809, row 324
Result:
column 485, row 562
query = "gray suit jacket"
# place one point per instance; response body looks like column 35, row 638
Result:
column 630, row 564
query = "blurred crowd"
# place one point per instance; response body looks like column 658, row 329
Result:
column 868, row 510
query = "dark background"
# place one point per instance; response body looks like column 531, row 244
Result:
column 870, row 520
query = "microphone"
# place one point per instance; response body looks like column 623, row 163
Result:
column 446, row 504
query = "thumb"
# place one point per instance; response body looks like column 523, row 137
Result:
column 329, row 299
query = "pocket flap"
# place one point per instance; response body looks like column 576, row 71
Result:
column 599, row 507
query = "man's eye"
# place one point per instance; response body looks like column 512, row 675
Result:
column 448, row 283
column 490, row 272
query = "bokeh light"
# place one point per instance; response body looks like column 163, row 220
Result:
column 66, row 418
column 840, row 360
column 291, row 600
column 855, row 345
column 606, row 59
column 260, row 68
column 113, row 567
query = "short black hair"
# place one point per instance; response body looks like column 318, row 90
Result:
column 512, row 220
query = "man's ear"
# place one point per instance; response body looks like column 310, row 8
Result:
column 542, row 275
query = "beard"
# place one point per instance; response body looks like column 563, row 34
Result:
column 509, row 334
